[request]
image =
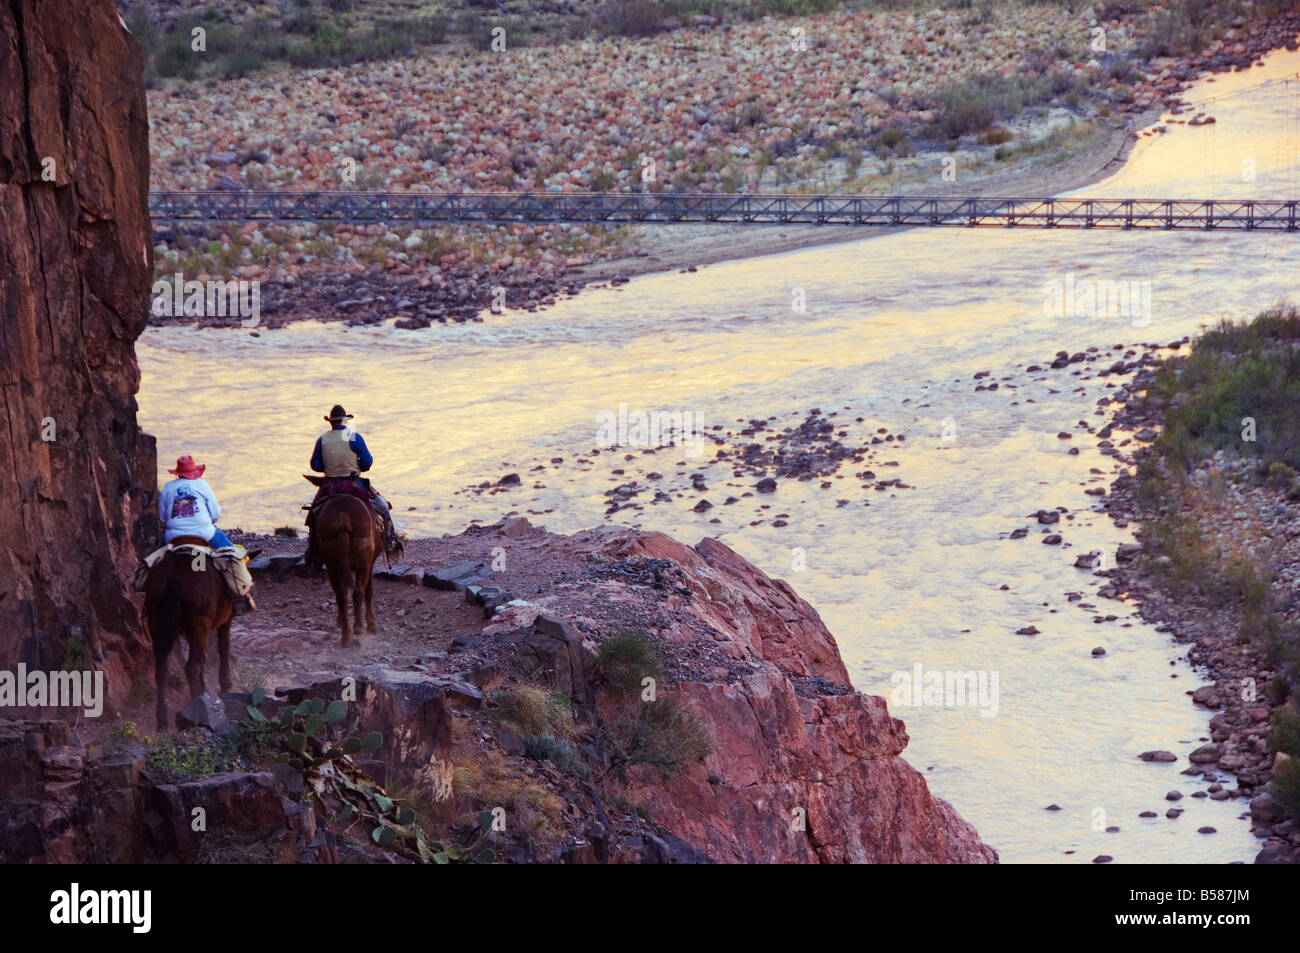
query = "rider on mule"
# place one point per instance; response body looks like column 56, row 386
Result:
column 188, row 508
column 342, row 455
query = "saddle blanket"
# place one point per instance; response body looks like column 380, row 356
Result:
column 230, row 561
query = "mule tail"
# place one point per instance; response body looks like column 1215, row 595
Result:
column 343, row 553
column 168, row 623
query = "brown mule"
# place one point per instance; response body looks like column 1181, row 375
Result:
column 349, row 538
column 186, row 597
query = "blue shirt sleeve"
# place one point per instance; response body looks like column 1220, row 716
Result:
column 316, row 463
column 358, row 445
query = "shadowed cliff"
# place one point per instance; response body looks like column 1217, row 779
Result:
column 76, row 473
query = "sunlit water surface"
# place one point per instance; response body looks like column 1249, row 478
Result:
column 895, row 329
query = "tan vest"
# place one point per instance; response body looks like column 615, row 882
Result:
column 337, row 456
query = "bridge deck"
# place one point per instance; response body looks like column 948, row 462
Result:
column 426, row 208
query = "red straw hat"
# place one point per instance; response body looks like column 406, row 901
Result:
column 187, row 469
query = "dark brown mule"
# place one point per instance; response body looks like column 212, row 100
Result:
column 349, row 538
column 181, row 600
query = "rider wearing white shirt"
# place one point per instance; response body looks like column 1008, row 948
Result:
column 187, row 506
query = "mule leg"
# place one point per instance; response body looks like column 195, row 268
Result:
column 372, row 624
column 341, row 601
column 358, row 598
column 194, row 666
column 160, row 683
column 223, row 651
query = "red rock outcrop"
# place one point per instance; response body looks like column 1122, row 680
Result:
column 803, row 768
column 76, row 473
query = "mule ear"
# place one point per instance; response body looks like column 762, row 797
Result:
column 252, row 553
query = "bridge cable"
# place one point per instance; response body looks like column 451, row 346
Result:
column 1245, row 89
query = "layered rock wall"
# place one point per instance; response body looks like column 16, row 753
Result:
column 76, row 473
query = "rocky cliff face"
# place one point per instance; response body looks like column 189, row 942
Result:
column 75, row 263
column 803, row 768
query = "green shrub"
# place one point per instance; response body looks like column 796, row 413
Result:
column 1285, row 734
column 75, row 656
column 423, row 30
column 241, row 62
column 175, row 59
column 627, row 658
column 479, row 29
column 190, row 753
column 976, row 105
column 664, row 734
column 1234, row 372
column 145, row 30
column 631, row 18
column 555, row 750
column 304, row 20
column 1285, row 786
column 1185, row 27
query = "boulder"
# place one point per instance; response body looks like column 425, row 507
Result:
column 1207, row 695
column 1162, row 756
column 204, row 711
column 516, row 527
column 403, row 573
column 1265, row 809
column 557, row 653
column 1206, row 754
column 244, row 808
column 458, row 575
column 1276, row 854
column 277, row 566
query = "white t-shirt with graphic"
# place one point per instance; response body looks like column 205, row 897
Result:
column 188, row 508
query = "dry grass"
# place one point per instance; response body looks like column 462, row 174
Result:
column 489, row 780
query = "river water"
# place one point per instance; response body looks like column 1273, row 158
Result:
column 894, row 330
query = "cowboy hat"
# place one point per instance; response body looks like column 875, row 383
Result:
column 187, row 469
column 337, row 413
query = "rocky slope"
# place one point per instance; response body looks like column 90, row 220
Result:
column 1216, row 567
column 76, row 473
column 765, row 753
column 791, row 737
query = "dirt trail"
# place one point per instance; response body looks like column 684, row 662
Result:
column 292, row 638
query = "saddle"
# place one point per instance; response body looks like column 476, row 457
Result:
column 230, row 563
column 338, row 486
column 355, row 486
